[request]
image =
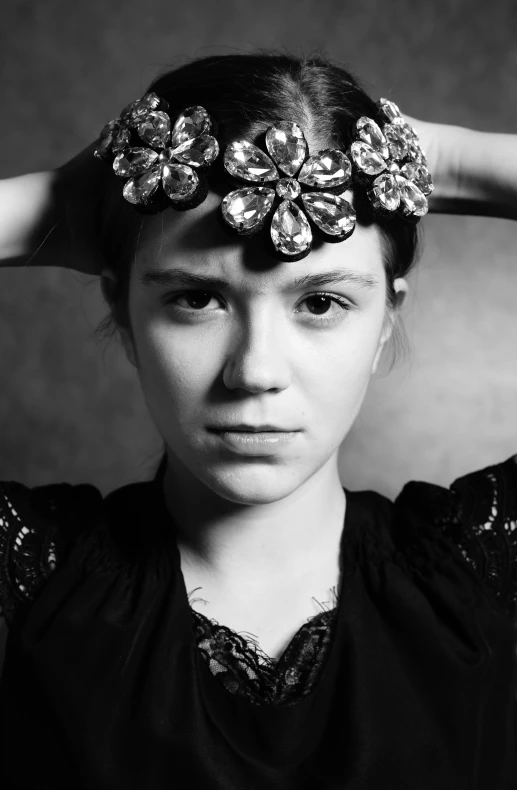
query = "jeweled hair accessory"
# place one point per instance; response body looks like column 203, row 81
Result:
column 391, row 164
column 159, row 159
column 290, row 168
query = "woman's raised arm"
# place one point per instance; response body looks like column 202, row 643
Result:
column 48, row 218
column 474, row 172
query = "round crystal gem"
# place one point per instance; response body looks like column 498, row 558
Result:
column 420, row 175
column 134, row 161
column 390, row 109
column 366, row 159
column 179, row 181
column 397, row 141
column 371, row 133
column 328, row 168
column 415, row 153
column 287, row 145
column 245, row 209
column 288, row 188
column 332, row 213
column 385, row 193
column 199, row 152
column 132, row 112
column 154, row 128
column 140, row 189
column 290, row 229
column 245, row 160
column 413, row 202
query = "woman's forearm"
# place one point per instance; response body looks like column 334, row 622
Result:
column 479, row 174
column 30, row 230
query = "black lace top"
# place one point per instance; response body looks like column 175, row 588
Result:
column 112, row 679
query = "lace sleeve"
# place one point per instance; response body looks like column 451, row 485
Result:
column 36, row 526
column 486, row 507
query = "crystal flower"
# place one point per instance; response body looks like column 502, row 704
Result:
column 145, row 148
column 291, row 170
column 392, row 164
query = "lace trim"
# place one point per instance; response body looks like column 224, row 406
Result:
column 243, row 668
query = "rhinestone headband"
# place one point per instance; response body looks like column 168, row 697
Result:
column 387, row 162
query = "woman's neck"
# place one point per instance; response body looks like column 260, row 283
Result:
column 235, row 544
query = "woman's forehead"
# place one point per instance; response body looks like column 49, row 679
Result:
column 196, row 241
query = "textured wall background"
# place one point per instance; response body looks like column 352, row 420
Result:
column 72, row 410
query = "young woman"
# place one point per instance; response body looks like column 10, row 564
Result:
column 255, row 338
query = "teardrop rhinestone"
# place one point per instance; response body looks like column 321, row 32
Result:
column 121, row 140
column 389, row 110
column 134, row 161
column 286, row 144
column 371, row 133
column 326, row 169
column 366, row 159
column 140, row 189
column 246, row 209
column 290, row 229
column 415, row 153
column 288, row 188
column 397, row 141
column 332, row 213
column 154, row 128
column 134, row 111
column 413, row 202
column 420, row 175
column 193, row 122
column 385, row 193
column 245, row 160
column 199, row 152
column 179, row 182
column 103, row 149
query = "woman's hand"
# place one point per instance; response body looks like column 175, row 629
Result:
column 51, row 218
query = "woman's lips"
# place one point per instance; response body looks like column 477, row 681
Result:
column 252, row 442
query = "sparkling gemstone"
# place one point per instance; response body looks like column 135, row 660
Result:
column 371, row 133
column 110, row 129
column 366, row 159
column 133, row 111
column 199, row 152
column 413, row 202
column 415, row 153
column 420, row 175
column 389, row 109
column 154, row 128
column 397, row 142
column 393, row 167
column 288, row 188
column 245, row 160
column 193, row 122
column 121, row 140
column 385, row 193
column 287, row 145
column 245, row 209
column 332, row 213
column 104, row 147
column 407, row 131
column 328, row 168
column 140, row 189
column 179, row 181
column 290, row 229
column 134, row 161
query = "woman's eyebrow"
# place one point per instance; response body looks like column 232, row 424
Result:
column 174, row 277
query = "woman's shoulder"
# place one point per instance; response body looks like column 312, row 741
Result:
column 37, row 525
column 477, row 512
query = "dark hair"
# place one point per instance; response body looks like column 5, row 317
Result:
column 245, row 94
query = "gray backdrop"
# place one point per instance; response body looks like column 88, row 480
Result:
column 71, row 409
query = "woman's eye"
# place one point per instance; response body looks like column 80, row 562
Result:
column 320, row 305
column 195, row 300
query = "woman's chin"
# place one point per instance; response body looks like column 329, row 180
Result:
column 254, row 485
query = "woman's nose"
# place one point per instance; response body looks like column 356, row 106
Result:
column 258, row 359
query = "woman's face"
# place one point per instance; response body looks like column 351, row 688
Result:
column 259, row 347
